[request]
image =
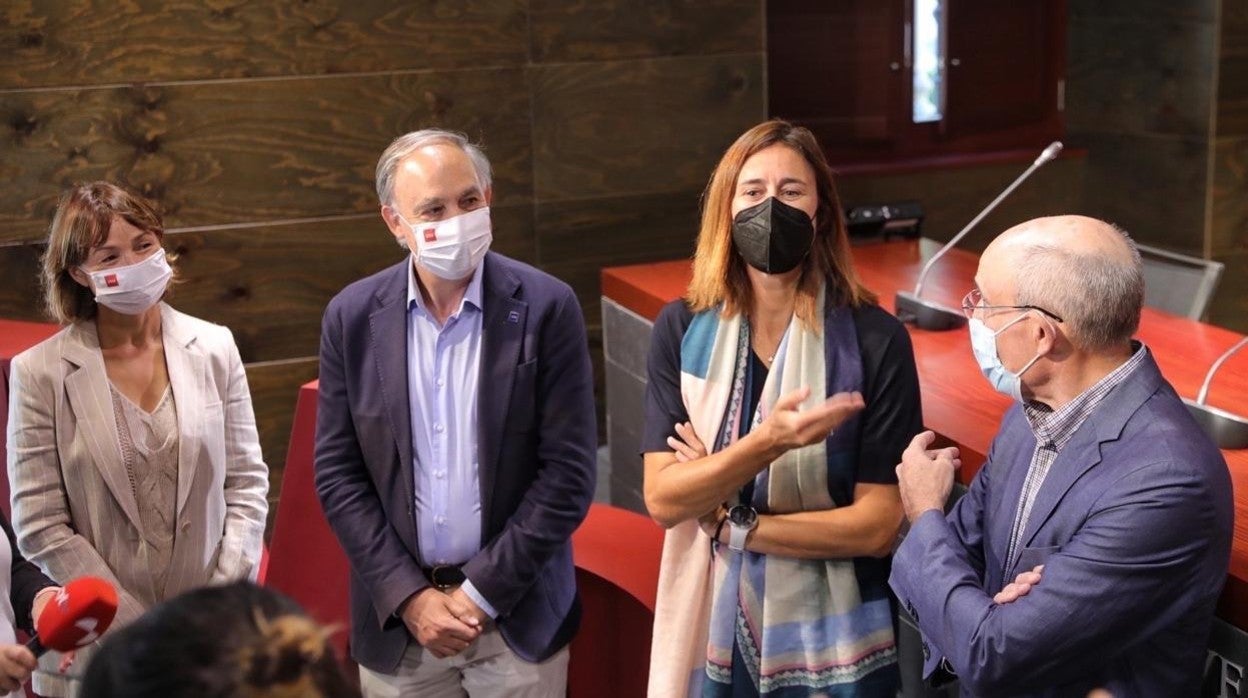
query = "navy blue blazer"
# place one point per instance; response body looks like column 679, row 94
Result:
column 537, row 443
column 1133, row 526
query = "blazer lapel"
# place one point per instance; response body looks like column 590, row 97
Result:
column 91, row 403
column 1083, row 452
column 189, row 380
column 388, row 332
column 502, row 333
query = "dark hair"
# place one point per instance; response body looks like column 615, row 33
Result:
column 233, row 641
column 82, row 221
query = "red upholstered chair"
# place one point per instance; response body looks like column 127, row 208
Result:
column 617, row 555
column 305, row 561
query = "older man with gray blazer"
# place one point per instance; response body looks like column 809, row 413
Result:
column 1091, row 547
column 133, row 453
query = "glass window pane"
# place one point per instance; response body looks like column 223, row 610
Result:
column 929, row 61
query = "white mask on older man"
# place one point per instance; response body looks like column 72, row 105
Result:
column 452, row 248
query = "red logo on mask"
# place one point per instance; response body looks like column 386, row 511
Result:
column 431, row 235
column 111, row 281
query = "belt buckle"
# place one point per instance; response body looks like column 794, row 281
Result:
column 434, row 574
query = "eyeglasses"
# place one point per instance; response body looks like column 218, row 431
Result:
column 974, row 301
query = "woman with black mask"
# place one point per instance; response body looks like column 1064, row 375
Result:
column 780, row 398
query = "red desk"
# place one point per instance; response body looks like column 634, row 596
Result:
column 616, row 553
column 959, row 404
column 16, row 336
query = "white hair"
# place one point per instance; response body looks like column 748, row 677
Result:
column 409, row 143
column 1098, row 296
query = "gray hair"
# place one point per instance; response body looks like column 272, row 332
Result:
column 409, row 143
column 1098, row 296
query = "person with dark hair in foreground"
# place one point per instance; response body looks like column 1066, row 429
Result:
column 234, row 640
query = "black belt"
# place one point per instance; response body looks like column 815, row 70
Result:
column 444, row 577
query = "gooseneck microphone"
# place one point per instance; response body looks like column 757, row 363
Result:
column 1226, row 429
column 75, row 617
column 927, row 315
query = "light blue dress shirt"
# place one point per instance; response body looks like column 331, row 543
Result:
column 443, row 366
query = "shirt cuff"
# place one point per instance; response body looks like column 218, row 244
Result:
column 478, row 599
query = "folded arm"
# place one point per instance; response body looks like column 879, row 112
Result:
column 1115, row 579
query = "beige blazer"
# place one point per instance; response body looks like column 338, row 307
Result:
column 73, row 508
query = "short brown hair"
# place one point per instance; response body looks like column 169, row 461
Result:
column 82, row 221
column 719, row 274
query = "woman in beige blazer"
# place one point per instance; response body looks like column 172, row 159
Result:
column 133, row 453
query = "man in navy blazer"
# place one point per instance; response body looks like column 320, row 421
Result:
column 1091, row 547
column 455, row 445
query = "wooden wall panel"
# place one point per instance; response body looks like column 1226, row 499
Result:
column 1230, row 195
column 638, row 127
column 228, row 152
column 257, row 126
column 21, row 297
column 1233, row 71
column 574, row 30
column 1141, row 77
column 577, row 239
column 92, row 42
column 951, row 198
column 271, row 284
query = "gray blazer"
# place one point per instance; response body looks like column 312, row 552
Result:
column 73, row 508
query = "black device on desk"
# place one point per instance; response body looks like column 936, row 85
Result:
column 901, row 219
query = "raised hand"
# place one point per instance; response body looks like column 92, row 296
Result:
column 925, row 476
column 787, row 427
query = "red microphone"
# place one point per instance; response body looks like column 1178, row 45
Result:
column 75, row 617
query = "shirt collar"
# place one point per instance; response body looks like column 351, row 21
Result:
column 1056, row 427
column 472, row 295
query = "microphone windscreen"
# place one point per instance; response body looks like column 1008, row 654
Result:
column 77, row 615
column 1050, row 152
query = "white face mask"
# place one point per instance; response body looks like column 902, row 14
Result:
column 452, row 248
column 984, row 344
column 132, row 289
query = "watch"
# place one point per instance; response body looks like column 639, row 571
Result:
column 742, row 519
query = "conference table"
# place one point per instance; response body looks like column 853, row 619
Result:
column 958, row 404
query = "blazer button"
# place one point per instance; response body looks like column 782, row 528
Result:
column 927, row 652
column 913, row 613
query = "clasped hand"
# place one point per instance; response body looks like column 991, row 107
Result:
column 445, row 624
